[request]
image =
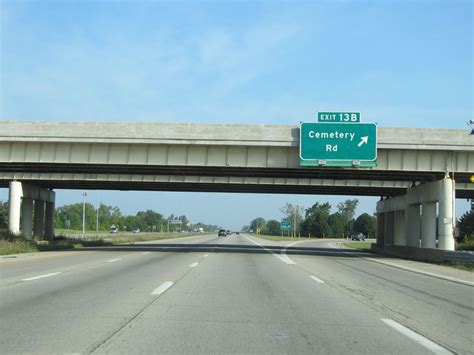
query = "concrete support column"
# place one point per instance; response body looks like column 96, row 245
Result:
column 399, row 228
column 49, row 221
column 381, row 229
column 428, row 225
column 389, row 228
column 412, row 225
column 446, row 215
column 14, row 202
column 39, row 218
column 27, row 217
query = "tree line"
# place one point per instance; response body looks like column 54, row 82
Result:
column 70, row 217
column 318, row 221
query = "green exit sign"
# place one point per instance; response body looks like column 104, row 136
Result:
column 285, row 225
column 338, row 142
column 339, row 117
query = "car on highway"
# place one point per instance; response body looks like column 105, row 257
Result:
column 136, row 230
column 357, row 236
column 221, row 233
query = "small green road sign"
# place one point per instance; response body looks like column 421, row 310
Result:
column 343, row 142
column 285, row 225
column 339, row 117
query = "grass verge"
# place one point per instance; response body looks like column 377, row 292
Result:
column 358, row 245
column 461, row 266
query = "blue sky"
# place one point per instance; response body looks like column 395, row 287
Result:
column 400, row 63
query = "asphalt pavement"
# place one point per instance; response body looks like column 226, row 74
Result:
column 235, row 294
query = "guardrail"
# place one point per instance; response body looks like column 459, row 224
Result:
column 459, row 256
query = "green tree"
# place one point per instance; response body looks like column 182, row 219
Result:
column 366, row 224
column 466, row 226
column 337, row 225
column 257, row 223
column 3, row 214
column 70, row 216
column 347, row 210
column 272, row 227
column 184, row 222
column 294, row 214
column 316, row 222
column 149, row 218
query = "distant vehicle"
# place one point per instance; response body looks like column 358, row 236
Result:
column 136, row 230
column 228, row 233
column 221, row 233
column 237, row 233
column 113, row 230
column 357, row 236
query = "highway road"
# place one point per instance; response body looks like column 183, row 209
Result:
column 236, row 294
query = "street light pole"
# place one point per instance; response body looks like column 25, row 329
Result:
column 97, row 216
column 84, row 194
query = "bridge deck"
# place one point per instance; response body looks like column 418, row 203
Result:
column 264, row 158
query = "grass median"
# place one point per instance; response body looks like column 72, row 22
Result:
column 19, row 245
column 277, row 238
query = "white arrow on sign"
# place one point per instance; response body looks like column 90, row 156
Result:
column 364, row 140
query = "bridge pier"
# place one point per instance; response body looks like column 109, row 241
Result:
column 27, row 217
column 428, row 225
column 49, row 221
column 412, row 225
column 14, row 199
column 21, row 207
column 399, row 228
column 401, row 224
column 39, row 219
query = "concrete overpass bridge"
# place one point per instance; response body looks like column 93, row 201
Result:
column 227, row 158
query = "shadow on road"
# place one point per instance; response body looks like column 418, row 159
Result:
column 230, row 248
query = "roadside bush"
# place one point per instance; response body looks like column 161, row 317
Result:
column 467, row 244
column 8, row 247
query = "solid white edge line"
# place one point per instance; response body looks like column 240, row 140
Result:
column 282, row 256
column 111, row 261
column 40, row 277
column 285, row 258
column 428, row 344
column 427, row 273
column 146, row 252
column 194, row 265
column 162, row 288
column 316, row 279
column 398, row 266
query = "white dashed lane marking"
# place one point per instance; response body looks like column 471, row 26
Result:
column 40, row 277
column 316, row 279
column 162, row 288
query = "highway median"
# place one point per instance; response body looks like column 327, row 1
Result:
column 10, row 245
